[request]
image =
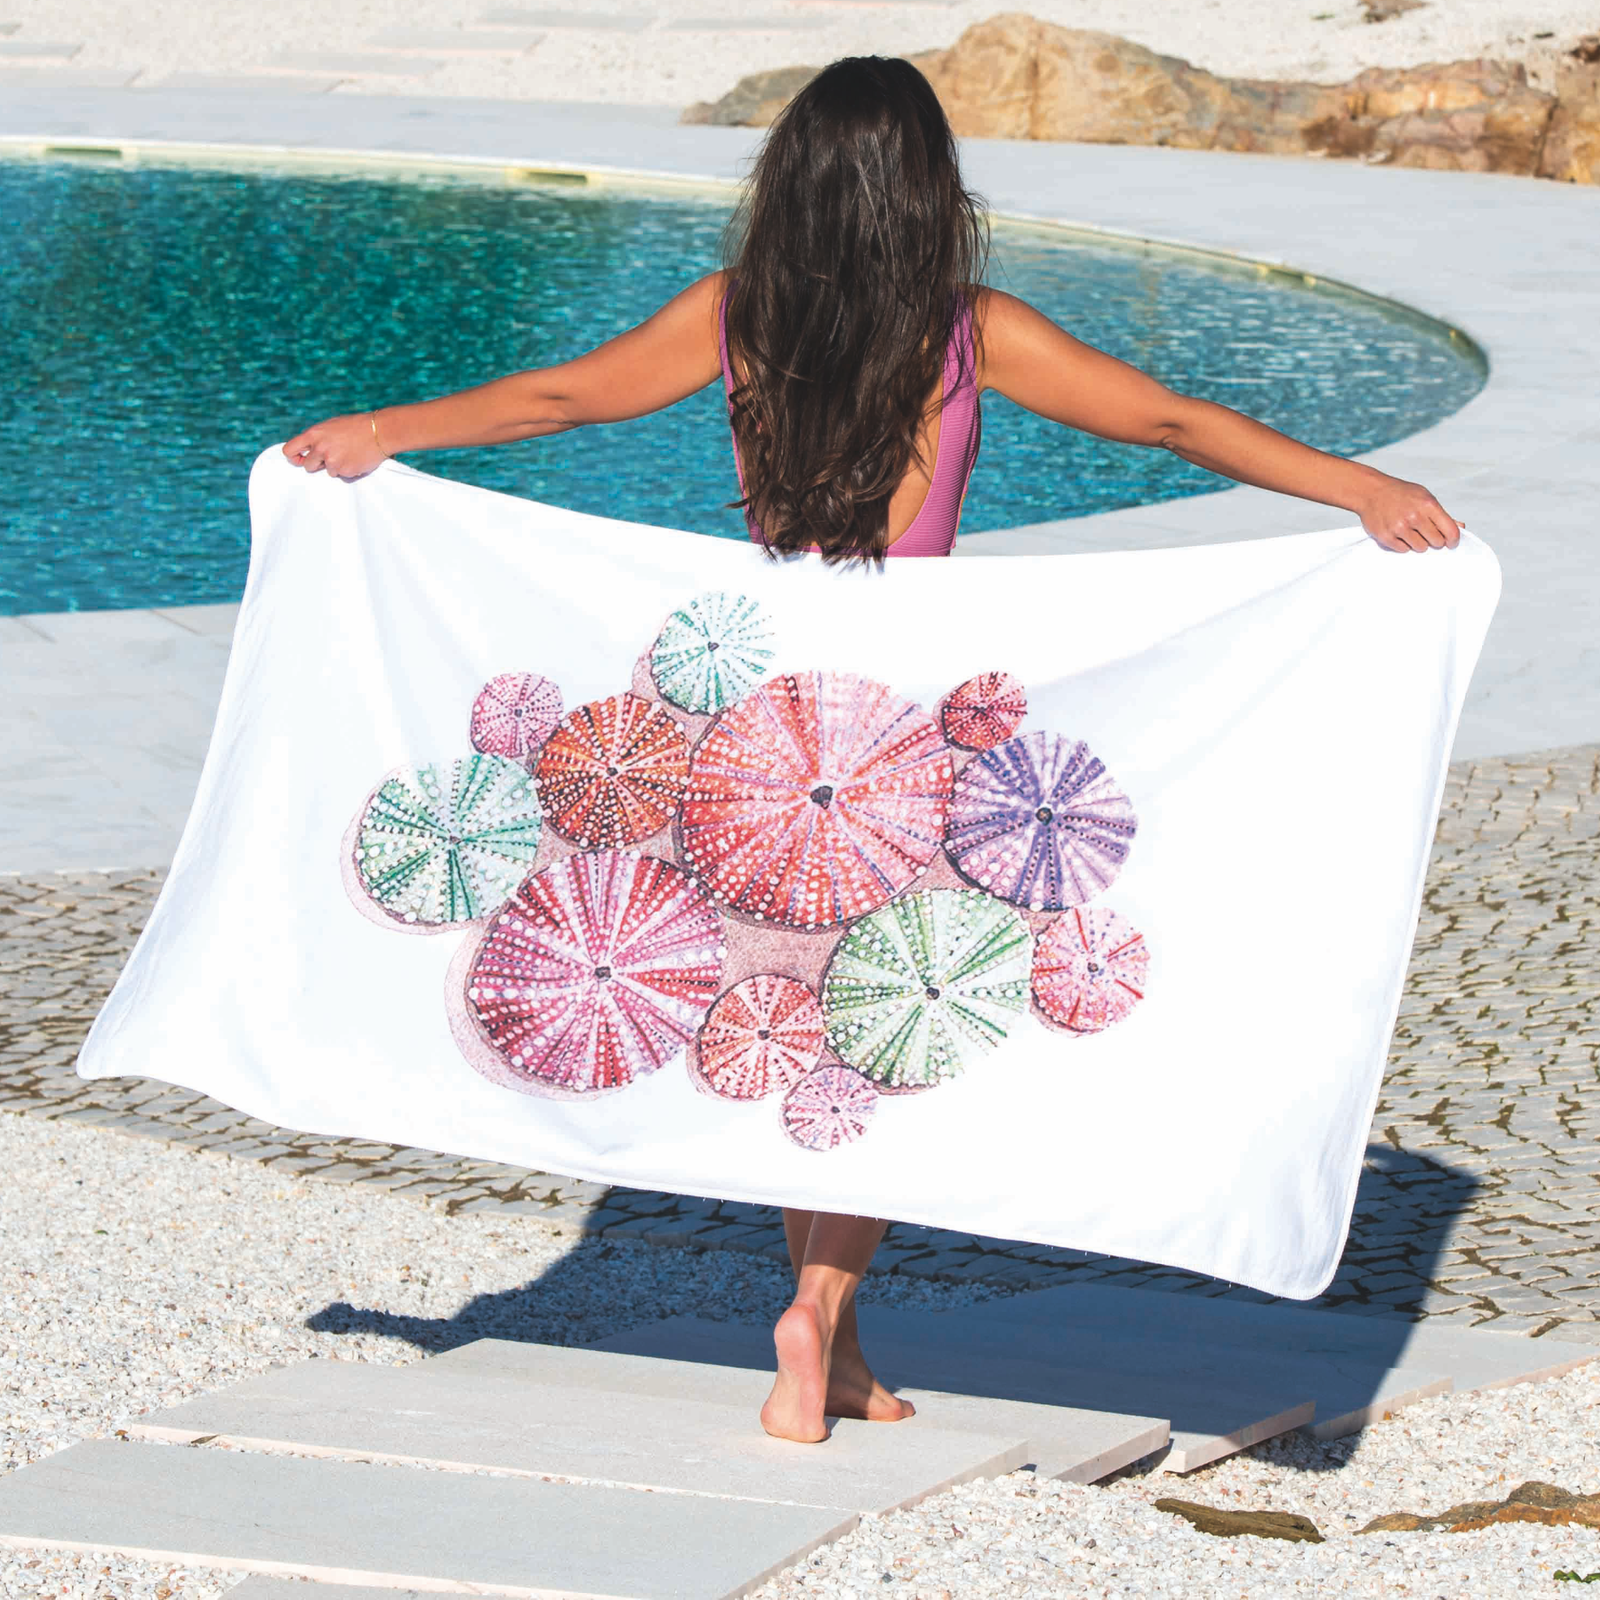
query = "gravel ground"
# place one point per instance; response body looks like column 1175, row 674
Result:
column 137, row 1273
column 1325, row 40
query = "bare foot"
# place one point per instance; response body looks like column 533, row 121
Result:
column 798, row 1403
column 854, row 1392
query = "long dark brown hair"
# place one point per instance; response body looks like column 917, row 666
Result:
column 855, row 249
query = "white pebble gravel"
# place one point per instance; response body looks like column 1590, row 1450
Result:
column 135, row 1274
column 667, row 65
column 1015, row 1538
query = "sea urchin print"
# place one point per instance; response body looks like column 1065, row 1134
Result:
column 598, row 971
column 816, row 798
column 1089, row 969
column 514, row 714
column 760, row 1038
column 612, row 773
column 983, row 710
column 1040, row 822
column 444, row 843
column 920, row 990
column 829, row 1107
column 711, row 651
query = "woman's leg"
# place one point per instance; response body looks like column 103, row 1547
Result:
column 830, row 1255
column 852, row 1389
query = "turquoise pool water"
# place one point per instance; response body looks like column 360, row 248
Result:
column 162, row 324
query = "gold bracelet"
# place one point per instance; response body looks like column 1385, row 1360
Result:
column 372, row 417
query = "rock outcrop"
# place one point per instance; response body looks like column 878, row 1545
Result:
column 1572, row 146
column 754, row 101
column 1530, row 1502
column 1388, row 10
column 1014, row 77
column 1230, row 1524
column 1468, row 116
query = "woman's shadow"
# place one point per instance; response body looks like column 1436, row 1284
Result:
column 1406, row 1211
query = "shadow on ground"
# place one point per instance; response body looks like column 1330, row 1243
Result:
column 1406, row 1210
column 595, row 1289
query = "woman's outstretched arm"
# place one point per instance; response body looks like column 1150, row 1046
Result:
column 657, row 364
column 1027, row 358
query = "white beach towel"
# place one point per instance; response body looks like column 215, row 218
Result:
column 1059, row 898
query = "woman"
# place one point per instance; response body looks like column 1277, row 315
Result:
column 854, row 339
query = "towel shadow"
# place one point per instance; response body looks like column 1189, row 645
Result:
column 558, row 1306
column 1406, row 1210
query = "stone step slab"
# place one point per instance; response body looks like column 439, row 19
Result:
column 609, row 21
column 37, row 50
column 67, row 77
column 353, row 66
column 1212, row 1413
column 1074, row 1445
column 455, row 41
column 747, row 22
column 340, row 1522
column 244, row 83
column 467, row 1418
column 259, row 1588
column 1350, row 1389
column 1385, row 1353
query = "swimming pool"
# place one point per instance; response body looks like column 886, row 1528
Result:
column 163, row 323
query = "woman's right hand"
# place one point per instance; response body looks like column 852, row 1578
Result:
column 346, row 447
column 1403, row 516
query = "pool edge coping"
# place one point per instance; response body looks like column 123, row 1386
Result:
column 252, row 155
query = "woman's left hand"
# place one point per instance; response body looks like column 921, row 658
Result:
column 1404, row 516
column 344, row 447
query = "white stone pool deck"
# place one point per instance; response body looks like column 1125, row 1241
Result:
column 109, row 712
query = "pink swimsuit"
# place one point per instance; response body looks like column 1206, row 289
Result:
column 933, row 530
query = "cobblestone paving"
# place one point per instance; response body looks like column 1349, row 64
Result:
column 1480, row 1197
